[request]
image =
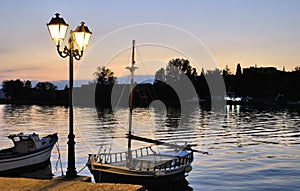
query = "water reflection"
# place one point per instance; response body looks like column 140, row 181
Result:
column 250, row 147
column 178, row 186
column 173, row 118
column 12, row 112
column 44, row 173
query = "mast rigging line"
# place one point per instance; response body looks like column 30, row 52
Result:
column 158, row 142
column 146, row 89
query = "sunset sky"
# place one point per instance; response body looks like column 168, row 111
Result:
column 263, row 33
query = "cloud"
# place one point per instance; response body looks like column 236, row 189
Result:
column 20, row 69
column 4, row 50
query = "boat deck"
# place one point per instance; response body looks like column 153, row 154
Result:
column 144, row 163
column 144, row 159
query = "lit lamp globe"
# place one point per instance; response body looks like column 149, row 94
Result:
column 57, row 28
column 82, row 36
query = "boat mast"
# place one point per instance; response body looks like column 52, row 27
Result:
column 131, row 68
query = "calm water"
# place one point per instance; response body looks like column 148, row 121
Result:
column 249, row 149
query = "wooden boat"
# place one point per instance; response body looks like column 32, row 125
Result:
column 143, row 166
column 30, row 153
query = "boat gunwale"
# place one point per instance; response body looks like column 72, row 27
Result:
column 175, row 162
column 26, row 156
column 16, row 156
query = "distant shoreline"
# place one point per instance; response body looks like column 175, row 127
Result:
column 205, row 105
column 51, row 103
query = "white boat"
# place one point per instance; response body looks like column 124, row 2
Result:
column 230, row 97
column 144, row 166
column 30, row 153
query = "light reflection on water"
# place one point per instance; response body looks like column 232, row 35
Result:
column 251, row 149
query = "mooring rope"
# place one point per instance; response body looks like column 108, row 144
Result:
column 82, row 169
column 59, row 160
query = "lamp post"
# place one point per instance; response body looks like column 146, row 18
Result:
column 77, row 42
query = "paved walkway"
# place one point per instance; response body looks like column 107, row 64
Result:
column 60, row 183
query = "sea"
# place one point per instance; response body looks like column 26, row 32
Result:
column 249, row 148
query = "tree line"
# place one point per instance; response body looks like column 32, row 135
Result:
column 22, row 92
column 261, row 84
column 264, row 85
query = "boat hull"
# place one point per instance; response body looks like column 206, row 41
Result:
column 23, row 163
column 150, row 179
column 16, row 172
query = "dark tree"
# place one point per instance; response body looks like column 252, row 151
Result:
column 213, row 73
column 160, row 76
column 172, row 73
column 46, row 91
column 104, row 76
column 12, row 89
column 28, row 84
column 177, row 67
column 238, row 70
column 27, row 91
column 44, row 86
column 226, row 71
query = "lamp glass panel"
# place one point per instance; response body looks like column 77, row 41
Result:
column 82, row 39
column 54, row 31
column 79, row 38
column 87, row 38
column 57, row 32
column 63, row 31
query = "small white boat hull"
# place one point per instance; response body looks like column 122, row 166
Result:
column 15, row 164
column 11, row 165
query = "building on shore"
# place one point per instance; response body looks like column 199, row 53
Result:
column 260, row 71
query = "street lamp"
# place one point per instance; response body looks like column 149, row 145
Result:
column 78, row 38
